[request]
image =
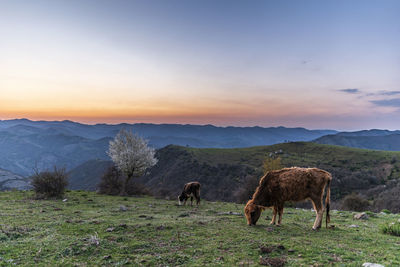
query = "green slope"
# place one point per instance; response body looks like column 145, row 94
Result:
column 223, row 171
column 91, row 230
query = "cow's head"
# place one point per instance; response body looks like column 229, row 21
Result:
column 182, row 197
column 252, row 212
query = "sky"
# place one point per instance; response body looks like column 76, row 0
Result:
column 313, row 64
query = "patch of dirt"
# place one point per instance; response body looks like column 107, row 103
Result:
column 274, row 262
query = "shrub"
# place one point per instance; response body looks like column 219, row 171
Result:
column 50, row 184
column 272, row 163
column 391, row 228
column 355, row 202
column 112, row 183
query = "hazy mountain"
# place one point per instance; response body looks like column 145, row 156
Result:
column 165, row 134
column 372, row 132
column 23, row 153
column 9, row 180
column 88, row 175
column 28, row 145
column 378, row 140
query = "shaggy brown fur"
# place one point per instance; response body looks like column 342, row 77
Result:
column 290, row 184
column 191, row 190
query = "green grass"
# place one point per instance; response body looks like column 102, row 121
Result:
column 90, row 229
column 392, row 228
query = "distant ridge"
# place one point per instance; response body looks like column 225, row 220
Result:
column 9, row 181
column 368, row 139
column 26, row 144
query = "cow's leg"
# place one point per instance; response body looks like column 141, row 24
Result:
column 197, row 196
column 280, row 212
column 191, row 201
column 274, row 212
column 184, row 203
column 319, row 211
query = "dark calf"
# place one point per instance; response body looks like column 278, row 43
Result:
column 191, row 190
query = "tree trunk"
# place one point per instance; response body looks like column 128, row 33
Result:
column 125, row 186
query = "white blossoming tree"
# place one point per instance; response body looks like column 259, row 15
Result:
column 131, row 154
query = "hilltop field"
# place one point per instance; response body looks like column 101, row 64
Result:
column 375, row 175
column 88, row 229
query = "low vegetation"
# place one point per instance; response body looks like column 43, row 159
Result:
column 392, row 228
column 92, row 229
column 355, row 202
column 112, row 183
column 50, row 184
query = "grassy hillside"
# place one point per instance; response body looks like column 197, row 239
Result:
column 223, row 171
column 91, row 229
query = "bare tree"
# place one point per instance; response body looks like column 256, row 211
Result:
column 131, row 155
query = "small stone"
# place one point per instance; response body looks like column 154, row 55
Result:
column 110, row 229
column 361, row 216
column 290, row 250
column 65, row 200
column 107, row 257
column 122, row 208
column 368, row 264
column 353, row 226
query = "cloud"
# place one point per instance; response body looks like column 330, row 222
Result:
column 350, row 91
column 389, row 93
column 394, row 102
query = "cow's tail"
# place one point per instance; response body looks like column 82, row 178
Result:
column 328, row 200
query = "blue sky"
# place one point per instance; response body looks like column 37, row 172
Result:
column 315, row 64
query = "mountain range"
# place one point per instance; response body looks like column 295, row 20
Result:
column 39, row 145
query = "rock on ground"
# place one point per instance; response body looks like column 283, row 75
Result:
column 361, row 216
column 368, row 264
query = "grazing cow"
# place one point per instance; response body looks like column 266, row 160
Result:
column 191, row 190
column 290, row 184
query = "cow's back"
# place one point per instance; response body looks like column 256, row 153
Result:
column 192, row 187
column 296, row 184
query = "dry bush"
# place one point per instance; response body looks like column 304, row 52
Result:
column 355, row 202
column 112, row 183
column 50, row 184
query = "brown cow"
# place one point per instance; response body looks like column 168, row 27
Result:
column 290, row 184
column 191, row 190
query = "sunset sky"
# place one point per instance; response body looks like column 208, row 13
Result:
column 313, row 64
